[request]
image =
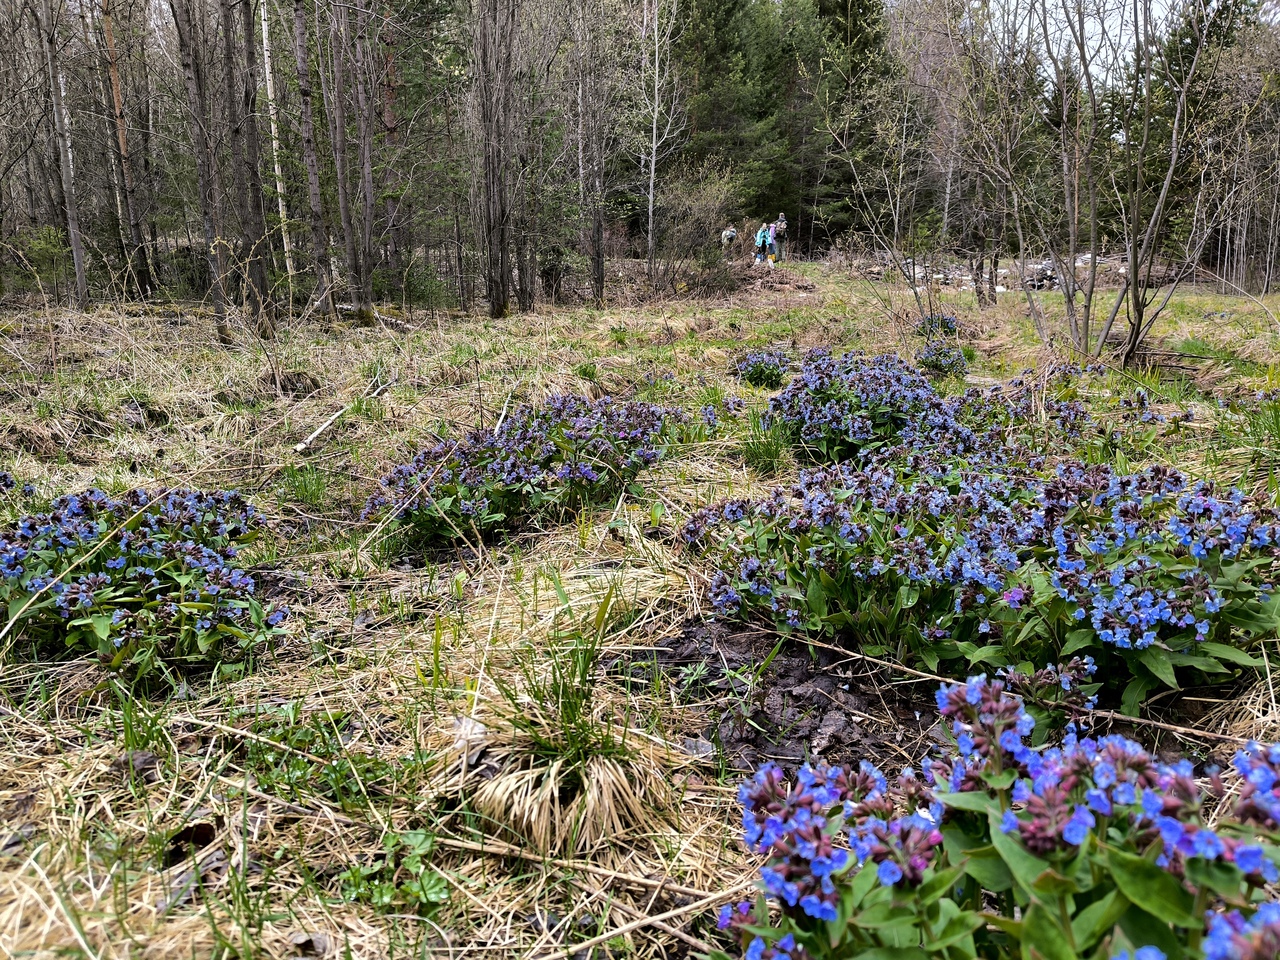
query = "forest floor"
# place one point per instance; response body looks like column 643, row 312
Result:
column 376, row 746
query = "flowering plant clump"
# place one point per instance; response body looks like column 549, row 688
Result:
column 938, row 324
column 838, row 407
column 148, row 580
column 943, row 360
column 998, row 849
column 763, row 368
column 1151, row 574
column 551, row 460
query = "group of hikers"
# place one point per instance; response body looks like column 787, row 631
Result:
column 770, row 242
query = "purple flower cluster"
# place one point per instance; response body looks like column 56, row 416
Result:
column 1062, row 793
column 1131, row 559
column 802, row 828
column 838, row 407
column 883, row 410
column 552, row 459
column 823, row 829
column 942, row 359
column 1231, row 937
column 145, row 577
column 763, row 368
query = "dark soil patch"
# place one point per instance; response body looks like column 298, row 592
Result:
column 820, row 706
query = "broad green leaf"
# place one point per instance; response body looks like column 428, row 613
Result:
column 892, row 953
column 1157, row 661
column 816, row 597
column 1142, row 928
column 1043, row 937
column 862, row 884
column 1221, row 878
column 992, row 653
column 933, row 888
column 1024, row 866
column 1097, row 918
column 1149, row 887
column 1134, row 693
column 1078, row 640
column 1228, row 653
column 977, row 802
column 956, row 929
column 978, row 857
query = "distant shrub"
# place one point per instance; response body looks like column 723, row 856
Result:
column 763, row 368
column 943, row 360
column 1092, row 848
column 549, row 461
column 148, row 580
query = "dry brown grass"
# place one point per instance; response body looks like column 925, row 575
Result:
column 432, row 669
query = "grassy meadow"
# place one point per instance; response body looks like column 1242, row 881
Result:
column 526, row 745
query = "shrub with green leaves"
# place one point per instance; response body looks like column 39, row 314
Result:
column 1164, row 581
column 148, row 581
column 550, row 461
column 1087, row 849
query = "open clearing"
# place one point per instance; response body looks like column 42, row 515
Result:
column 395, row 737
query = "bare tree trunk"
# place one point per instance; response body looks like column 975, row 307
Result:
column 255, row 226
column 494, row 45
column 364, row 125
column 319, row 242
column 396, row 233
column 273, row 114
column 336, row 111
column 46, row 26
column 206, row 166
column 140, row 262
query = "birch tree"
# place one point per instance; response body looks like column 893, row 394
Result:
column 46, row 24
column 661, row 107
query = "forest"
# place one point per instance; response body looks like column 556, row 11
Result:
column 682, row 479
column 323, row 157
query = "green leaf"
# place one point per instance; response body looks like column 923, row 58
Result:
column 1024, row 866
column 1157, row 661
column 1053, row 884
column 955, row 930
column 1204, row 664
column 1078, row 640
column 1151, row 888
column 1043, row 937
column 1097, row 918
column 977, row 802
column 862, row 884
column 892, row 953
column 942, row 881
column 1221, row 878
column 978, row 857
column 885, row 914
column 1228, row 653
column 992, row 653
column 1142, row 928
column 816, row 598
column 1134, row 693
